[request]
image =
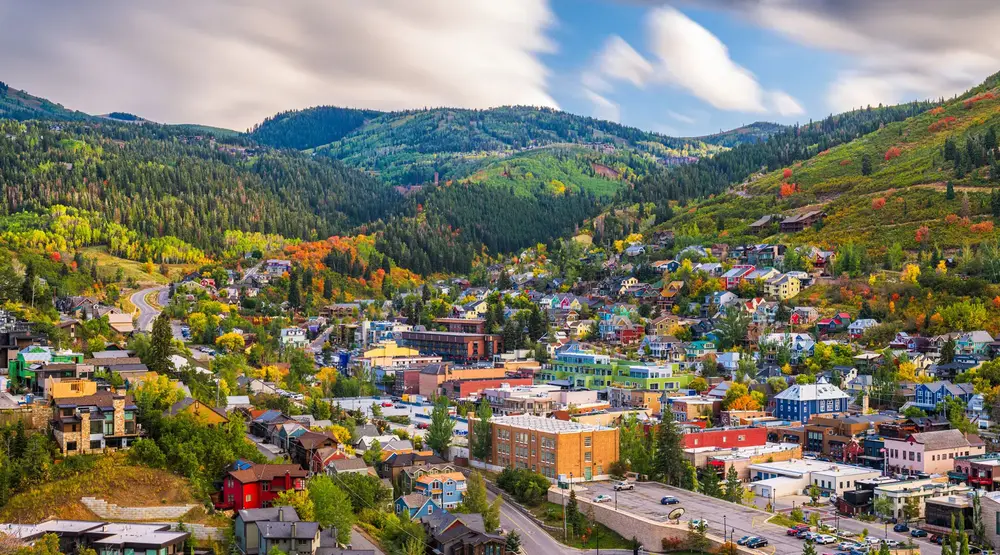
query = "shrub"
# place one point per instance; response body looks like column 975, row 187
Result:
column 941, row 124
column 618, row 469
column 845, row 162
column 786, row 173
column 788, row 189
column 938, row 110
column 893, row 152
column 982, row 227
column 951, row 218
column 878, row 203
column 526, row 486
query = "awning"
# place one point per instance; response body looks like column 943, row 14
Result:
column 960, row 476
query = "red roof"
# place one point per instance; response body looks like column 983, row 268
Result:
column 268, row 472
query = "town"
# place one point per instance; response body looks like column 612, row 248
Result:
column 704, row 401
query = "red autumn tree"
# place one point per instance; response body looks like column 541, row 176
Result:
column 788, row 189
column 787, row 173
column 878, row 203
column 923, row 234
column 893, row 152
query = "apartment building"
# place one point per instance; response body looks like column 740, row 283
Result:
column 585, row 369
column 930, row 452
column 552, row 447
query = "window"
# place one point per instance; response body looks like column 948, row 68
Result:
column 71, row 446
column 266, row 486
column 248, row 498
column 918, row 457
column 586, row 441
column 588, row 457
column 230, row 498
column 95, row 444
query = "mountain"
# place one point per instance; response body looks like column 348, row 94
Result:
column 303, row 129
column 19, row 105
column 757, row 131
column 923, row 183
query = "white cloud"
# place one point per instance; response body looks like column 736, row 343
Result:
column 603, row 108
column 784, row 104
column 687, row 56
column 898, row 49
column 234, row 62
column 680, row 117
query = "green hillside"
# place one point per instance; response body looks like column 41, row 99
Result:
column 925, row 183
column 19, row 105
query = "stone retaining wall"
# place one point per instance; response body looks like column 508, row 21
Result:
column 111, row 511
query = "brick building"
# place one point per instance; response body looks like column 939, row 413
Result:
column 552, row 447
column 459, row 347
column 464, row 389
column 724, row 437
column 432, row 376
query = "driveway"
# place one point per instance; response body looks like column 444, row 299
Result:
column 144, row 319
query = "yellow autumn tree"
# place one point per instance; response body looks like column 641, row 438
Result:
column 910, row 273
column 942, row 268
column 230, row 342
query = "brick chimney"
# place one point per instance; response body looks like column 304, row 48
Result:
column 288, row 480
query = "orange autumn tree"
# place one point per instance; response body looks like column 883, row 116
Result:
column 878, row 203
column 893, row 152
column 788, row 189
column 744, row 402
column 786, row 173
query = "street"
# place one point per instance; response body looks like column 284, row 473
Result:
column 144, row 320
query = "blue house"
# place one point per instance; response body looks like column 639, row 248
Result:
column 446, row 488
column 928, row 395
column 417, row 505
column 801, row 401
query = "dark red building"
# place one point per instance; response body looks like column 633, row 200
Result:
column 725, row 437
column 463, row 325
column 258, row 485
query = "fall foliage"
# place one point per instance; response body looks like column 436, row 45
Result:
column 878, row 203
column 893, row 152
column 786, row 173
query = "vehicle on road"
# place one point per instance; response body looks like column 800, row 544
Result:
column 936, row 538
column 757, row 543
column 387, row 404
column 669, row 500
column 823, row 539
column 698, row 522
column 744, row 540
column 918, row 533
column 844, row 533
column 624, row 485
column 602, row 498
column 795, row 530
column 422, row 426
column 901, row 528
column 399, row 406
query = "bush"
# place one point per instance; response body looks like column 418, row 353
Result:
column 529, row 488
column 618, row 469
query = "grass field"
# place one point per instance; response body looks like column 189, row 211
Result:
column 551, row 514
column 111, row 479
column 110, row 264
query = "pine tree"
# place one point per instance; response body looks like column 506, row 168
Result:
column 866, row 165
column 294, row 296
column 669, row 464
column 160, row 345
column 28, row 286
column 439, row 434
column 734, row 487
column 709, row 483
column 949, row 192
column 809, row 548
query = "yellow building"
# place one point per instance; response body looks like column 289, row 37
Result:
column 69, row 387
column 198, row 410
column 782, row 287
column 390, row 355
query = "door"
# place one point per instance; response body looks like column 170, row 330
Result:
column 588, row 474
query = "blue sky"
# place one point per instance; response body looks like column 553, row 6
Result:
column 683, row 67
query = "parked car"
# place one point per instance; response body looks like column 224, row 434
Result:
column 848, row 546
column 901, row 528
column 602, row 498
column 757, row 543
column 918, row 533
column 794, row 530
column 823, row 539
column 697, row 522
column 669, row 500
column 893, row 544
column 387, row 404
column 399, row 406
column 936, row 538
column 805, row 535
column 744, row 540
column 422, row 426
column 624, row 485
column 844, row 533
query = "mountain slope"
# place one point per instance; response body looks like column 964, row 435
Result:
column 19, row 105
column 886, row 187
column 302, row 129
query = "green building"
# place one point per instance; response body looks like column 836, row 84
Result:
column 596, row 371
column 22, row 370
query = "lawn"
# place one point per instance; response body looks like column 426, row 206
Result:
column 551, row 514
column 108, row 265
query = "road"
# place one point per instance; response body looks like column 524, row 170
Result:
column 144, row 320
column 359, row 541
column 536, row 540
column 316, row 345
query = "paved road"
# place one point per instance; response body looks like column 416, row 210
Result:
column 316, row 345
column 359, row 541
column 144, row 320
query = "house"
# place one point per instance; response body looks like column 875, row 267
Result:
column 94, row 423
column 257, row 485
column 393, row 466
column 721, row 299
column 761, row 275
column 801, row 401
column 764, row 224
column 292, row 538
column 451, row 535
column 666, row 266
column 303, row 446
column 857, row 328
column 794, row 224
column 247, row 521
column 928, row 395
column 198, row 411
column 782, row 287
column 930, row 452
column 838, row 323
column 669, row 294
column 736, row 275
column 635, row 250
column 766, row 313
column 663, row 347
column 447, row 489
column 354, row 465
column 697, row 350
column 293, row 337
column 106, row 538
column 802, row 315
column 417, row 505
column 973, row 343
column 800, row 345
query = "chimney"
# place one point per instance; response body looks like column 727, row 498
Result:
column 864, row 404
column 288, row 480
column 293, row 530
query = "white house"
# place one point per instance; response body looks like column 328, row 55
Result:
column 293, row 337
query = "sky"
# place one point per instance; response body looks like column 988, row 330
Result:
column 679, row 67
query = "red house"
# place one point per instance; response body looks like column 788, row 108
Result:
column 257, row 486
column 725, row 437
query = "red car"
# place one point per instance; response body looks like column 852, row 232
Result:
column 794, row 530
column 387, row 404
column 422, row 426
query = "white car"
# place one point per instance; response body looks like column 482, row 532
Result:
column 697, row 522
column 824, row 539
column 602, row 498
column 622, row 486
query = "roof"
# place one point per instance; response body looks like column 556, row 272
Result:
column 101, row 399
column 186, row 402
column 540, row 424
column 301, row 530
column 811, row 392
column 260, row 472
column 312, row 440
column 414, row 500
column 943, row 439
column 442, row 476
column 287, row 514
column 343, row 465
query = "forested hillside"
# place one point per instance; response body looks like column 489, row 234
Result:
column 158, row 180
column 19, row 105
column 302, row 129
column 927, row 184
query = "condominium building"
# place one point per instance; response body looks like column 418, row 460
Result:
column 552, row 447
column 581, row 368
